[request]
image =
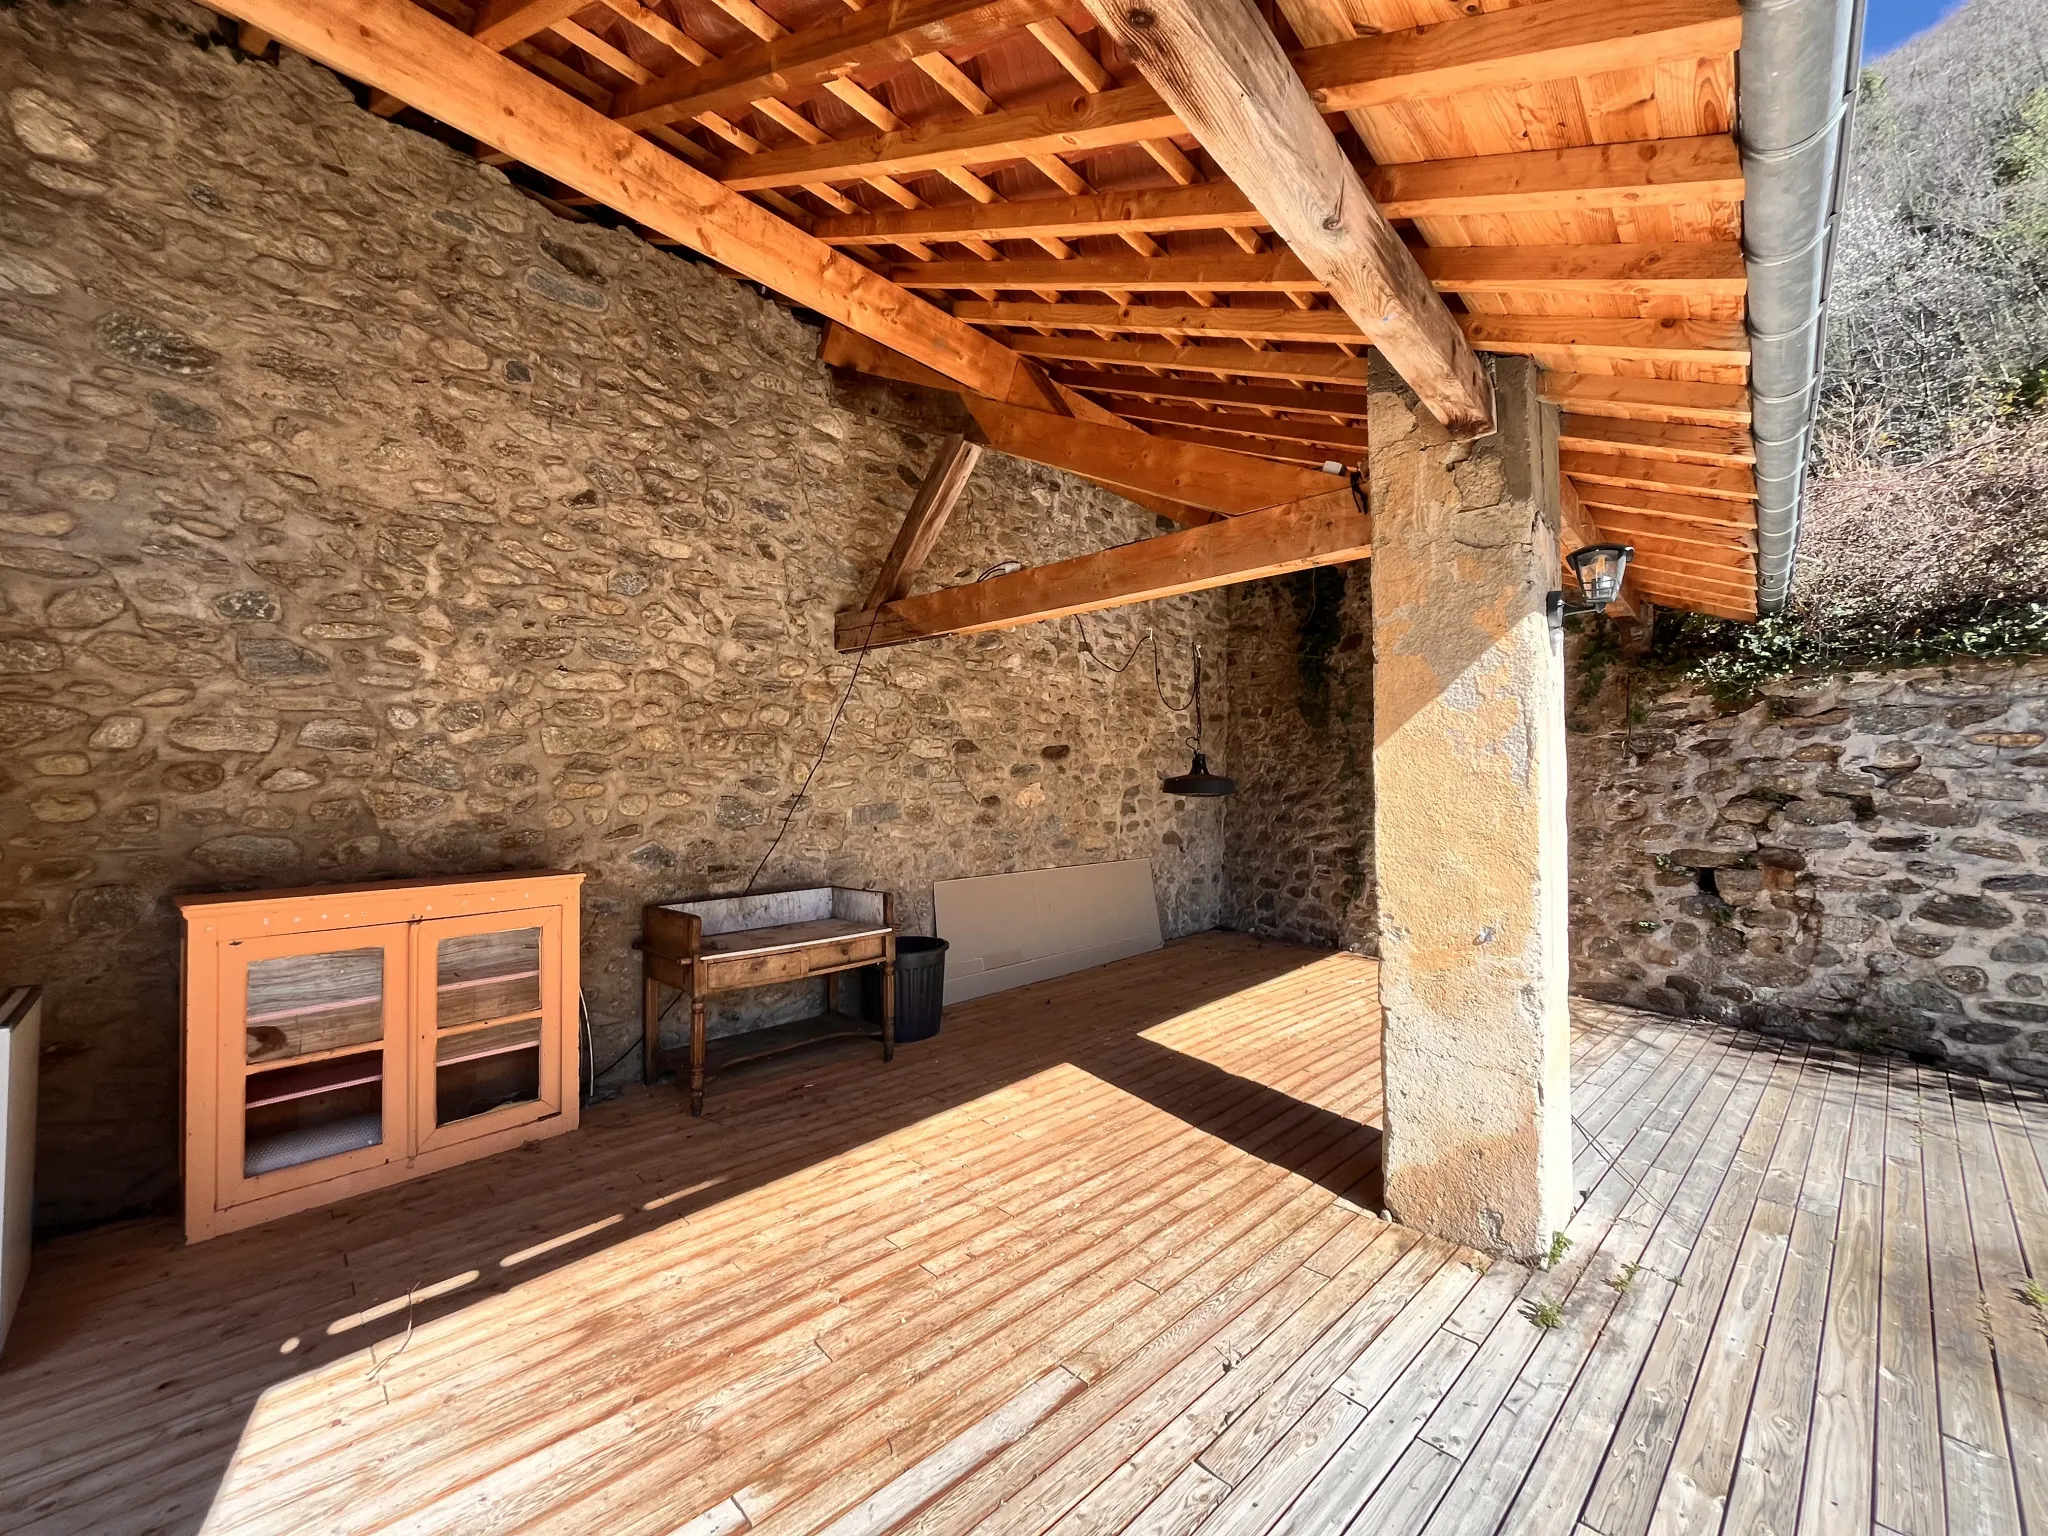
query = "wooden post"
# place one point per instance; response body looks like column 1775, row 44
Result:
column 1468, row 817
column 926, row 520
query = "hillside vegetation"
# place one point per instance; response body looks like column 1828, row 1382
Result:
column 1926, row 521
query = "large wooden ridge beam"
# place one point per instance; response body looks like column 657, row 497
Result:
column 1223, row 71
column 1321, row 530
column 400, row 48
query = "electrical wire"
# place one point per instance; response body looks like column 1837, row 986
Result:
column 825, row 746
column 1151, row 638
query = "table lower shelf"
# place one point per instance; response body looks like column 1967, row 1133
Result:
column 724, row 1052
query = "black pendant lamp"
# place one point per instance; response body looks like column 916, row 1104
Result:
column 1198, row 780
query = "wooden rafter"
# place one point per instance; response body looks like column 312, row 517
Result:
column 1329, row 402
column 936, row 497
column 1674, row 400
column 1715, row 512
column 1527, row 45
column 893, row 32
column 1603, row 178
column 1656, row 440
column 1229, row 361
column 1609, row 271
column 1320, row 530
column 1732, row 482
column 1220, row 67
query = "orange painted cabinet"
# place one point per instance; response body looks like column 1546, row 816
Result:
column 343, row 1038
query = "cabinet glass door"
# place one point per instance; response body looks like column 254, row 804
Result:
column 316, row 1088
column 489, row 1042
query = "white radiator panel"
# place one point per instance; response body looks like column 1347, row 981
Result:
column 1008, row 930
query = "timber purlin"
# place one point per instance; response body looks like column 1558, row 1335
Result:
column 1023, row 170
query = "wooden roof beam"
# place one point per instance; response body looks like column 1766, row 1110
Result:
column 1319, row 530
column 1676, row 400
column 1610, row 271
column 1603, row 178
column 1328, row 402
column 1687, row 341
column 893, row 32
column 1224, row 361
column 1554, row 40
column 1249, row 424
column 501, row 23
column 1218, row 479
column 1731, row 482
column 394, row 46
column 1658, row 440
column 1675, row 507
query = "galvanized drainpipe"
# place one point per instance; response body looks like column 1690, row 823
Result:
column 1798, row 73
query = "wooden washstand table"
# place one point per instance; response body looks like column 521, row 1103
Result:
column 726, row 943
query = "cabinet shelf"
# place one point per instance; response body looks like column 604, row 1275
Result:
column 331, row 1076
column 347, row 998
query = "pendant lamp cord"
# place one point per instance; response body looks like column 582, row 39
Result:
column 1194, row 698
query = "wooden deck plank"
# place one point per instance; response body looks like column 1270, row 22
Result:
column 1908, row 1413
column 1099, row 1266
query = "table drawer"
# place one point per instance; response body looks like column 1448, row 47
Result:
column 843, row 952
column 755, row 970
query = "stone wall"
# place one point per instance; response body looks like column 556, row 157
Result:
column 359, row 519
column 1298, row 850
column 1859, row 859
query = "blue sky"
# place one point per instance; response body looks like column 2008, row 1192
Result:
column 1890, row 22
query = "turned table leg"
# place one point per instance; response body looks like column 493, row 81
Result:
column 888, row 1010
column 697, row 1047
column 650, row 1026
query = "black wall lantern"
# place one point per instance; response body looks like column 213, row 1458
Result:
column 1599, row 569
column 1198, row 780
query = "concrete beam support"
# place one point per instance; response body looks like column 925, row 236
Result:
column 1469, row 819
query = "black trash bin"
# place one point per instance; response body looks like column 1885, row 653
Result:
column 920, row 987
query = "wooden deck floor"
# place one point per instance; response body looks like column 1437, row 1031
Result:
column 1100, row 1258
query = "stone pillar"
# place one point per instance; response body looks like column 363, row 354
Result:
column 1469, row 820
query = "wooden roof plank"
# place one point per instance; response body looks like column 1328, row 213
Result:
column 894, row 32
column 501, row 23
column 1594, row 394
column 1732, row 482
column 1520, row 46
column 1607, row 178
column 1245, row 424
column 1333, row 402
column 1222, row 70
column 1657, row 440
column 1435, row 60
column 1615, row 271
column 1225, row 361
column 1676, row 506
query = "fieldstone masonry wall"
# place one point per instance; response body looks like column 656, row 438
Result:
column 1860, row 859
column 358, row 518
column 1298, row 852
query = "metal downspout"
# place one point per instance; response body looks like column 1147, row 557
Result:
column 1798, row 73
